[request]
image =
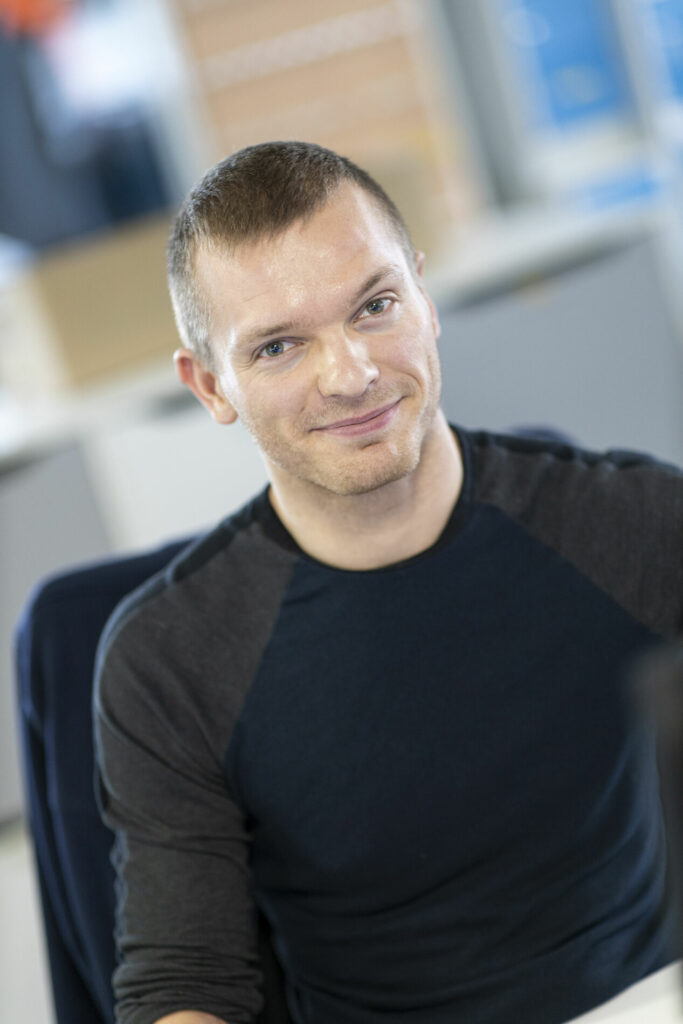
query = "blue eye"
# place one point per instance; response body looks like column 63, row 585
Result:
column 273, row 348
column 376, row 306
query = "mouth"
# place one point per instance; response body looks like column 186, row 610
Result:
column 354, row 425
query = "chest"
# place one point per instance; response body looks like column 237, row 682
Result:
column 413, row 725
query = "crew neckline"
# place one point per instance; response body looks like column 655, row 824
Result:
column 277, row 532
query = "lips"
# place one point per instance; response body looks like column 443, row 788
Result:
column 366, row 425
column 354, row 421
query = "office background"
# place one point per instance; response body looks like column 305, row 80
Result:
column 535, row 147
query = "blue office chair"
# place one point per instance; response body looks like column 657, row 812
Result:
column 56, row 640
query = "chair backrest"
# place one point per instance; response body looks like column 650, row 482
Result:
column 56, row 641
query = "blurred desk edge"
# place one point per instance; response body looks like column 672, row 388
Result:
column 657, row 999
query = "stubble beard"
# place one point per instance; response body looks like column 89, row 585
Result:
column 364, row 469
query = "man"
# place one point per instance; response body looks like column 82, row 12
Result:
column 385, row 703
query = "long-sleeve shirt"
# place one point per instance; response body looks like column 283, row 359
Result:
column 429, row 776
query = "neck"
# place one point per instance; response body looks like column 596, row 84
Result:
column 387, row 525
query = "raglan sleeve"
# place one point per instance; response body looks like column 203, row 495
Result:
column 655, row 503
column 186, row 924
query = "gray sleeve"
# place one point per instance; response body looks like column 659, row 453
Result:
column 186, row 924
column 617, row 517
column 174, row 668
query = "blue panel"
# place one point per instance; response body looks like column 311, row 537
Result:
column 572, row 59
column 631, row 184
column 667, row 22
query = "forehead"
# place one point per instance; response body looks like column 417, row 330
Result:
column 314, row 261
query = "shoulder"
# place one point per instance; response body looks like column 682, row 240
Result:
column 510, row 471
column 178, row 656
column 199, row 626
column 231, row 563
column 616, row 515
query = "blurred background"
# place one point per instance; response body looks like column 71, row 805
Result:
column 534, row 146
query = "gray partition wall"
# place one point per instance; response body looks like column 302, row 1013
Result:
column 591, row 349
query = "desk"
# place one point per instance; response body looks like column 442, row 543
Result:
column 654, row 1000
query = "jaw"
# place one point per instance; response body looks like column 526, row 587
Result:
column 327, row 468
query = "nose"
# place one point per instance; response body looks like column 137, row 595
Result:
column 345, row 367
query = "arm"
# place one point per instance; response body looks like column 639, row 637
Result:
column 182, row 845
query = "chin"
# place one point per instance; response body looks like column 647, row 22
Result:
column 355, row 479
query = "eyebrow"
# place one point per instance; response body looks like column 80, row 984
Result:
column 260, row 333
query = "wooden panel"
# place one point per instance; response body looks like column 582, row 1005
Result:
column 337, row 80
column 323, row 120
column 353, row 75
column 232, row 25
column 107, row 302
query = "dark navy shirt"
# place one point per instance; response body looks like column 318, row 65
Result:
column 428, row 776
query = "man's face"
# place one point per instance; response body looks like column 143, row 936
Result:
column 325, row 348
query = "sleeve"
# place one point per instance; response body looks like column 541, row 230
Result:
column 186, row 923
column 616, row 516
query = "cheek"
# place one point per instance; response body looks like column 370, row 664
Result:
column 276, row 399
column 416, row 351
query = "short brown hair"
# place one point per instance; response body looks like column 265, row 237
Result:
column 255, row 193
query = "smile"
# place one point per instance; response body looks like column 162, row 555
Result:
column 352, row 427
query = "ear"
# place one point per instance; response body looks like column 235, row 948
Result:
column 419, row 266
column 204, row 385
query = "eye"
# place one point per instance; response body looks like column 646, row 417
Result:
column 376, row 306
column 273, row 349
